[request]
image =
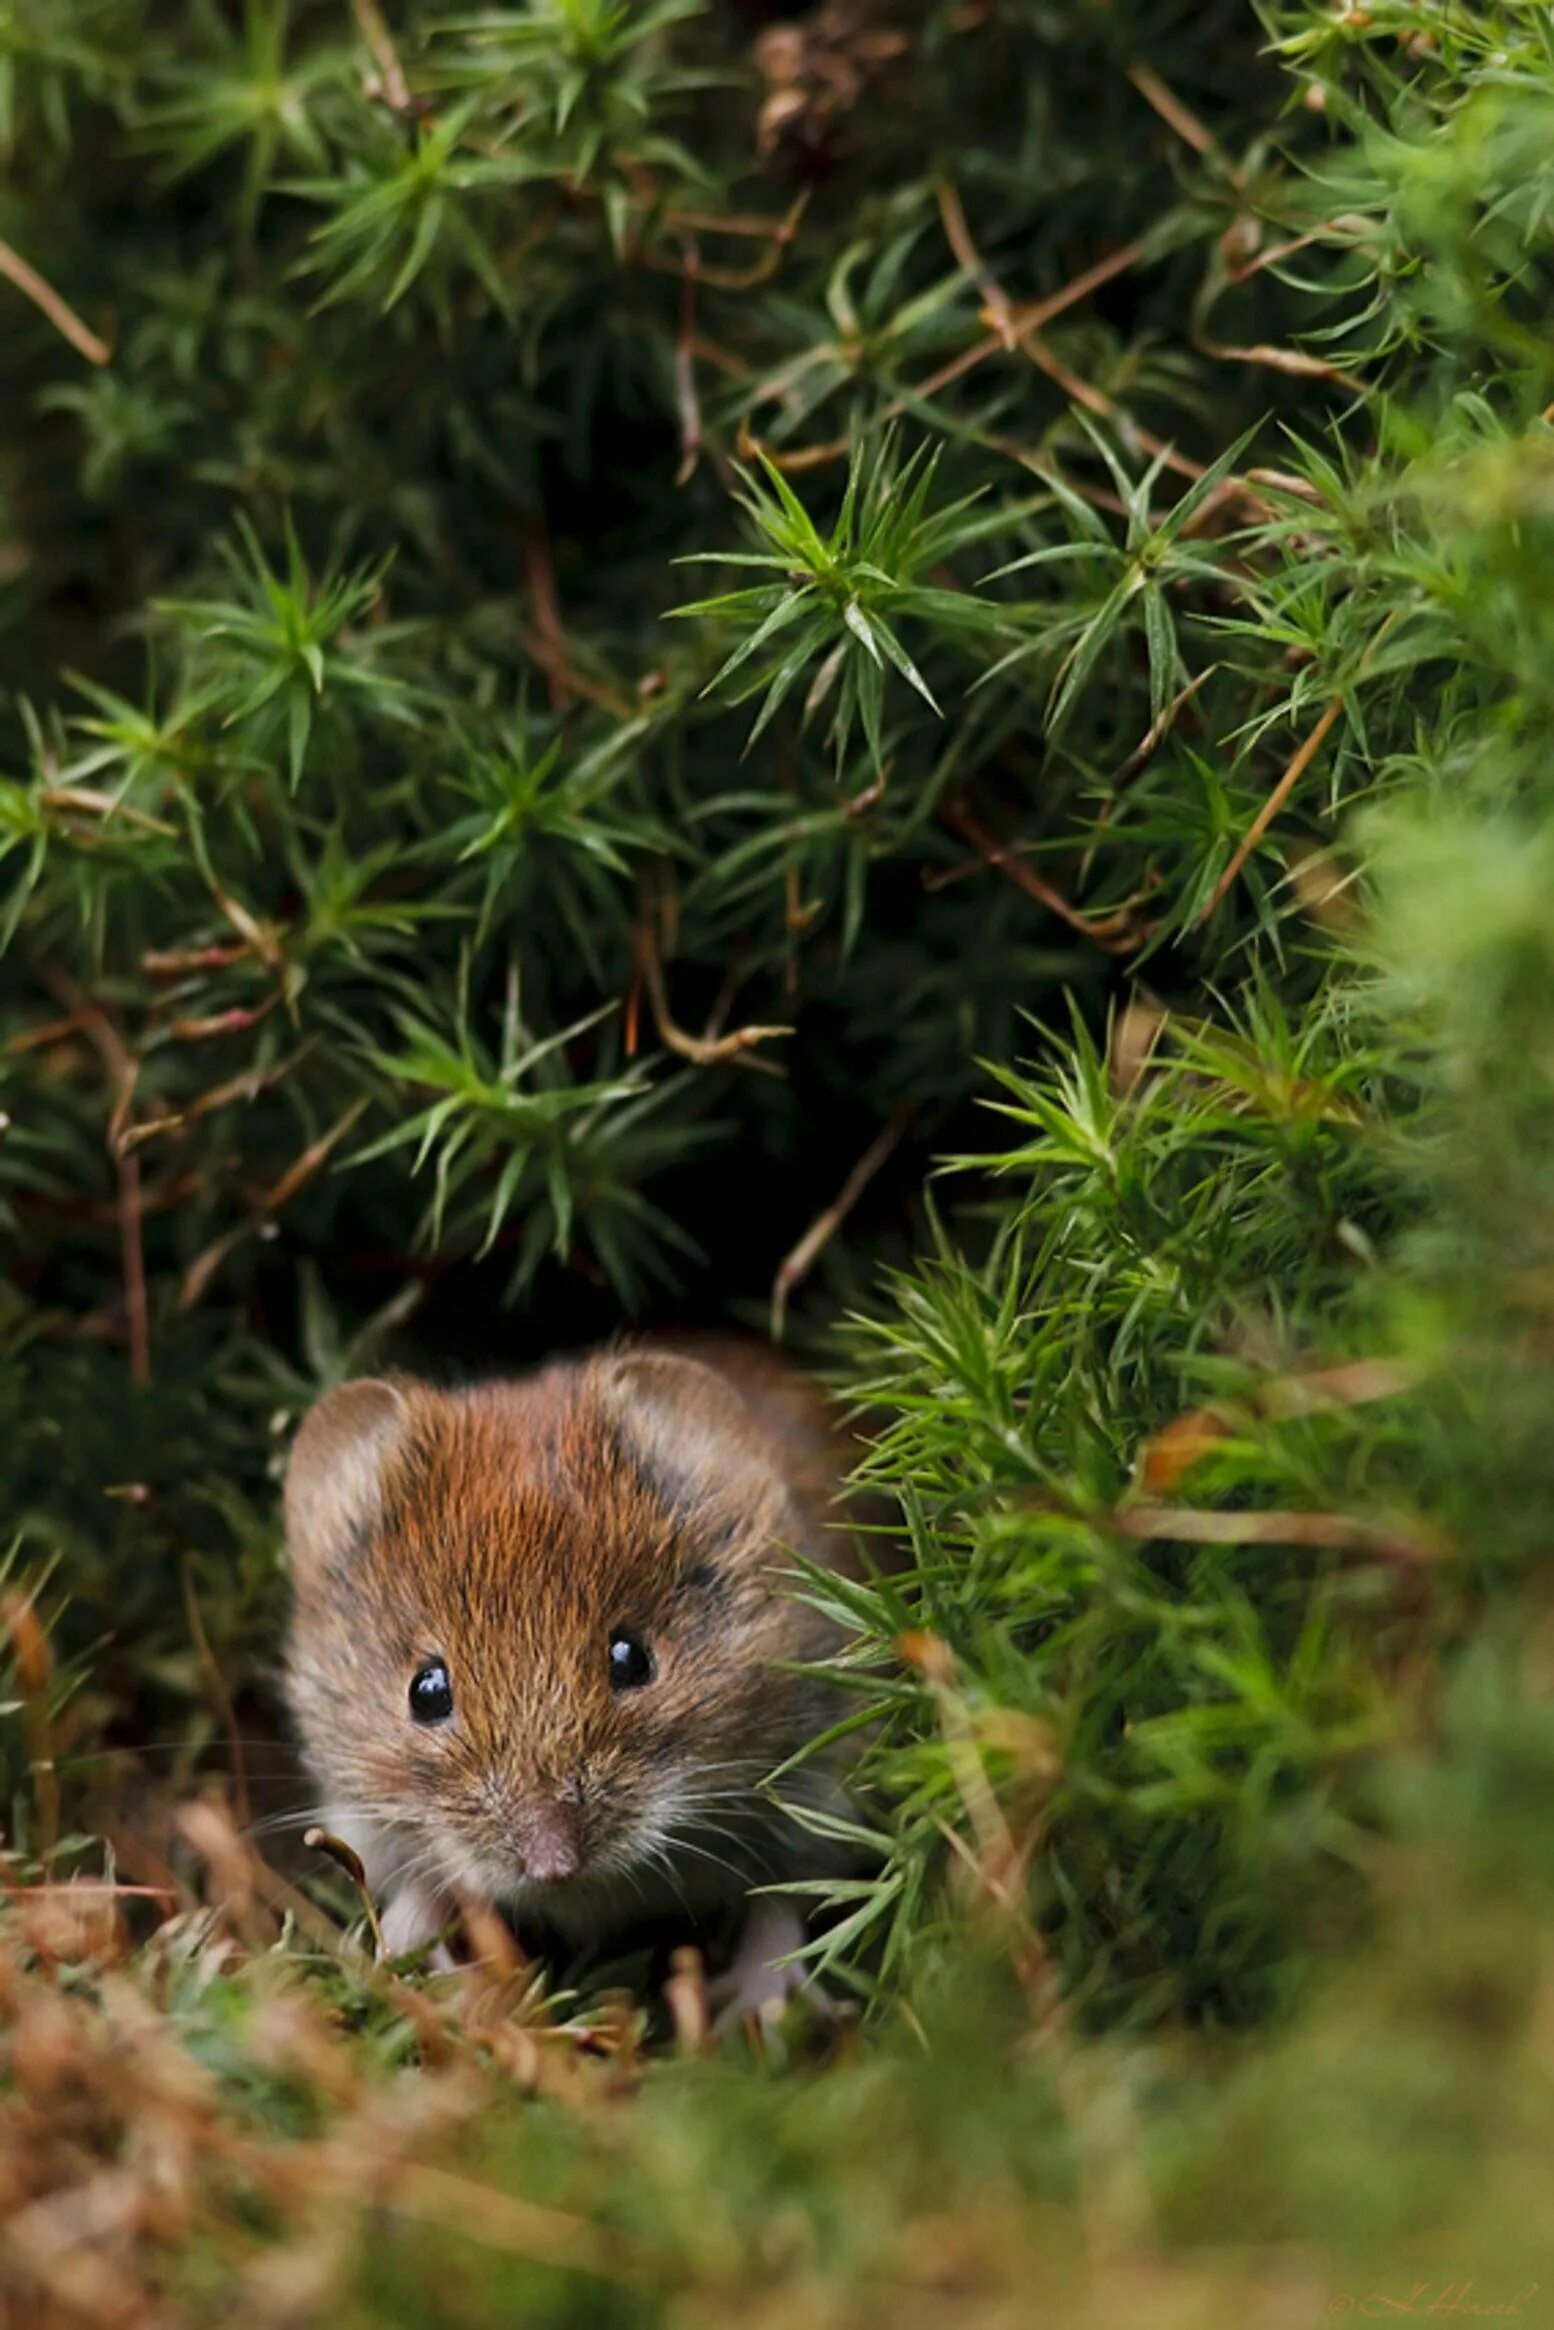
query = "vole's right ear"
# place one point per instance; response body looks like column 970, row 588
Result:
column 334, row 1477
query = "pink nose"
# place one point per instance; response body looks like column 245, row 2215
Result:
column 550, row 1847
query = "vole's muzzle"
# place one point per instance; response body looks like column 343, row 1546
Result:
column 548, row 1841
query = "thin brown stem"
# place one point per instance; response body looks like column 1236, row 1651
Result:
column 1340, row 1532
column 1295, row 769
column 392, row 86
column 797, row 1264
column 268, row 1202
column 1115, row 933
column 1294, row 361
column 687, row 402
column 1013, row 326
column 346, row 1857
column 34, row 1671
column 1159, row 729
column 540, row 573
column 123, row 1069
column 707, row 1051
column 994, row 297
column 45, row 298
column 1031, row 319
column 1170, row 108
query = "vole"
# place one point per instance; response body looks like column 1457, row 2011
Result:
column 540, row 1643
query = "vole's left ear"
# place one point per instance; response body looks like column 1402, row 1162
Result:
column 334, row 1478
column 700, row 1444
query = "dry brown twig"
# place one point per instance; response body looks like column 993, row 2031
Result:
column 776, row 230
column 540, row 576
column 1115, row 933
column 1191, row 130
column 1295, row 768
column 1171, row 110
column 1139, row 758
column 688, row 403
column 83, row 799
column 235, row 1020
column 244, row 1087
column 705, row 1051
column 123, row 1069
column 181, row 962
column 344, row 1856
column 995, row 299
column 1030, row 318
column 685, row 1995
column 1171, row 1453
column 47, row 1033
column 1290, row 360
column 996, row 1859
column 46, row 299
column 1406, row 1544
column 389, row 83
column 1160, row 728
column 34, row 1669
column 797, row 1264
column 1022, row 328
column 260, row 938
column 1013, row 324
column 721, row 278
column 267, row 1203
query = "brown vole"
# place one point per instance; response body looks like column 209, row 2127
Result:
column 540, row 1634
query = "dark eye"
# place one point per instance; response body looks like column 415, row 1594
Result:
column 631, row 1662
column 431, row 1694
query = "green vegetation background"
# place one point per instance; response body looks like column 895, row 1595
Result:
column 1059, row 922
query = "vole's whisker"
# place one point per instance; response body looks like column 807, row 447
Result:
column 718, row 1860
column 659, row 1860
column 304, row 1816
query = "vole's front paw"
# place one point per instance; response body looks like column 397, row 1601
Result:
column 758, row 1990
column 764, row 1975
column 410, row 1920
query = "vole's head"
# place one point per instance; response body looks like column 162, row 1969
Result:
column 535, row 1623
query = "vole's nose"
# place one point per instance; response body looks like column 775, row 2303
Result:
column 550, row 1844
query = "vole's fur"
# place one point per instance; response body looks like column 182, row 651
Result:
column 506, row 1529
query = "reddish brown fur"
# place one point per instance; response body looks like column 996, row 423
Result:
column 506, row 1529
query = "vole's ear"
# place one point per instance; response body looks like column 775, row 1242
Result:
column 334, row 1478
column 696, row 1439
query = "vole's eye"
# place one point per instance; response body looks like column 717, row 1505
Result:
column 631, row 1662
column 431, row 1694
